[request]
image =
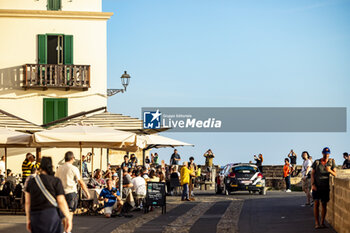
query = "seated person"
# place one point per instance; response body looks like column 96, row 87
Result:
column 145, row 173
column 97, row 181
column 112, row 199
column 139, row 188
column 153, row 176
column 115, row 180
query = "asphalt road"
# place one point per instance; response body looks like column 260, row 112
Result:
column 278, row 212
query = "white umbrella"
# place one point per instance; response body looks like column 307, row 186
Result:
column 85, row 136
column 11, row 138
column 78, row 136
column 157, row 141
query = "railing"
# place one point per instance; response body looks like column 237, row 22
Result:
column 56, row 76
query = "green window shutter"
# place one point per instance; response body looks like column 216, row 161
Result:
column 68, row 49
column 62, row 108
column 53, row 5
column 54, row 109
column 49, row 109
column 42, row 49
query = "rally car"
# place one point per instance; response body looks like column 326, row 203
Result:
column 240, row 177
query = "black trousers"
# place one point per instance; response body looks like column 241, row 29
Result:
column 46, row 220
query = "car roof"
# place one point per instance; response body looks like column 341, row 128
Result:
column 241, row 164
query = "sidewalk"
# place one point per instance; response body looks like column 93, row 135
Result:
column 279, row 214
column 82, row 224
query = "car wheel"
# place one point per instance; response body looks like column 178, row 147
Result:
column 225, row 191
column 217, row 189
column 263, row 191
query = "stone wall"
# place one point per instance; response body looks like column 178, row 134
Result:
column 338, row 209
column 274, row 177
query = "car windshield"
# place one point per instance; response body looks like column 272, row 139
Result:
column 244, row 169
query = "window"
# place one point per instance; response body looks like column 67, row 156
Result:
column 53, row 5
column 55, row 49
column 54, row 109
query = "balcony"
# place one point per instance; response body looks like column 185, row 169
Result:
column 47, row 76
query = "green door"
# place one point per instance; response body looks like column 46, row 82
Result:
column 54, row 109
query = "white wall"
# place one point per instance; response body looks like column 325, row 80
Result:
column 67, row 5
column 18, row 46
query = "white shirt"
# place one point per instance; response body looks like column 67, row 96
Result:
column 307, row 163
column 139, row 185
column 69, row 175
column 2, row 168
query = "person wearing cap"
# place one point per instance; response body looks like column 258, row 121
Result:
column 27, row 166
column 321, row 169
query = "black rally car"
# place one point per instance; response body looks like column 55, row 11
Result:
column 240, row 177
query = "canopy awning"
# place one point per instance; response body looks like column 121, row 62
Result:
column 157, row 141
column 11, row 138
column 111, row 120
column 85, row 136
column 16, row 123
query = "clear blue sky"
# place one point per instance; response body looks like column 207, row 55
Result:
column 205, row 53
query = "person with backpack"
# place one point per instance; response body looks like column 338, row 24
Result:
column 321, row 170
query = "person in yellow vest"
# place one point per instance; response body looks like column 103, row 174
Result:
column 27, row 166
column 185, row 174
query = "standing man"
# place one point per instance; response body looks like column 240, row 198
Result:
column 85, row 170
column 175, row 158
column 126, row 162
column 346, row 163
column 306, row 176
column 2, row 166
column 321, row 169
column 259, row 160
column 193, row 168
column 156, row 159
column 185, row 174
column 286, row 174
column 293, row 160
column 70, row 176
column 27, row 166
column 209, row 156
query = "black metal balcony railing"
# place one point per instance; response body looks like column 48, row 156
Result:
column 56, row 76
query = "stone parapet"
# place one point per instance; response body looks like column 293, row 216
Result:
column 338, row 208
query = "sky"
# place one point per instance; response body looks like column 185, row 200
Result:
column 225, row 53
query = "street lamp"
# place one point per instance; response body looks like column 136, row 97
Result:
column 125, row 78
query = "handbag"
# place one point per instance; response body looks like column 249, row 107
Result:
column 48, row 195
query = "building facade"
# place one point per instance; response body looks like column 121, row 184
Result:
column 53, row 59
column 53, row 64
